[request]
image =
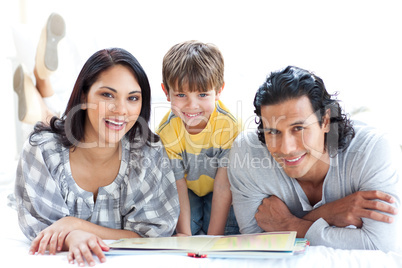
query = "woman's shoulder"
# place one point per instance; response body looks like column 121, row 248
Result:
column 43, row 145
column 144, row 149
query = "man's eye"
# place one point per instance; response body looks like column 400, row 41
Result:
column 298, row 128
column 272, row 132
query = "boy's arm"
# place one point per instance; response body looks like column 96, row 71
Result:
column 221, row 201
column 184, row 223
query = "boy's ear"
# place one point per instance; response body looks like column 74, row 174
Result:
column 218, row 93
column 166, row 92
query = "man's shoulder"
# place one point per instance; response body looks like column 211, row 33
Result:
column 248, row 140
column 370, row 144
column 366, row 137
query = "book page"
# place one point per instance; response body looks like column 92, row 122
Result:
column 190, row 243
column 276, row 241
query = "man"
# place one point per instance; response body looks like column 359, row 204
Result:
column 308, row 169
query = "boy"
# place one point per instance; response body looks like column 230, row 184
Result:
column 197, row 134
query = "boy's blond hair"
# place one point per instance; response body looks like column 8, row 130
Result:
column 193, row 63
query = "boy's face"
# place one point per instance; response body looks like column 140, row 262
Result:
column 194, row 108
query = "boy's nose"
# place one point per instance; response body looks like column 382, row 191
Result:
column 192, row 104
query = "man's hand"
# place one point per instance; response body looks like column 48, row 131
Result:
column 273, row 215
column 350, row 209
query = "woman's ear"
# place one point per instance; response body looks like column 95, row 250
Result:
column 84, row 105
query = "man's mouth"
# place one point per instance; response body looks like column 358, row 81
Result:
column 293, row 161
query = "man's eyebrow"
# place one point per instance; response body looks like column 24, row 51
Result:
column 115, row 91
column 299, row 122
column 269, row 129
column 296, row 123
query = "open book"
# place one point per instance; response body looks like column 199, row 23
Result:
column 262, row 245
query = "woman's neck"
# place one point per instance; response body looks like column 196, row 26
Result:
column 98, row 155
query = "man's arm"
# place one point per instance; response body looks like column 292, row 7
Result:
column 221, row 201
column 274, row 215
column 351, row 209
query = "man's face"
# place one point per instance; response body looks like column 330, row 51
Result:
column 295, row 139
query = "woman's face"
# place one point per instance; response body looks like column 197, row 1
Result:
column 113, row 105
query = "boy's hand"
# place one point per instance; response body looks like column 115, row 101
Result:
column 221, row 202
column 184, row 222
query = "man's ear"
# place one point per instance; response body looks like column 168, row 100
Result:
column 165, row 91
column 218, row 93
column 326, row 120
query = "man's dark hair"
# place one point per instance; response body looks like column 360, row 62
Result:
column 292, row 83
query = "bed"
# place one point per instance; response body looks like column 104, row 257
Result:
column 14, row 248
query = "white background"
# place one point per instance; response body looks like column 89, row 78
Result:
column 355, row 46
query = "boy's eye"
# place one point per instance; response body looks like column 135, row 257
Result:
column 180, row 95
column 203, row 95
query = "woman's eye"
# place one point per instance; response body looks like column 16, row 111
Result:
column 133, row 98
column 107, row 95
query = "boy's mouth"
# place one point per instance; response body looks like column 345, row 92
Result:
column 192, row 115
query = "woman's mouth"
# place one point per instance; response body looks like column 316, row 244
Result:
column 115, row 124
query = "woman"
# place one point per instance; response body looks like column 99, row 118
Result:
column 98, row 172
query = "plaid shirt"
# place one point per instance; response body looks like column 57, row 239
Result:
column 142, row 198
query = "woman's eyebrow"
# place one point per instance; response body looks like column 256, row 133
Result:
column 115, row 91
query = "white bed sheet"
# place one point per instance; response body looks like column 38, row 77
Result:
column 14, row 252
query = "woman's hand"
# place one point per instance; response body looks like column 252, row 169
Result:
column 81, row 246
column 53, row 237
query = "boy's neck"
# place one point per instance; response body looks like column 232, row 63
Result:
column 194, row 130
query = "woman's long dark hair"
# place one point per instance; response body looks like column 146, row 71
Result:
column 293, row 82
column 70, row 127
